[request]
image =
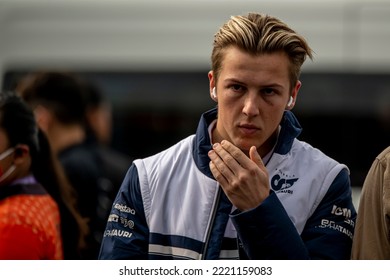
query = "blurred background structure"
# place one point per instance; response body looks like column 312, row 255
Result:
column 151, row 58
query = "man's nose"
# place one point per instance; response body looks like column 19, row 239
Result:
column 251, row 105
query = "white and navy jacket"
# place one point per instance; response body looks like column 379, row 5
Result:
column 170, row 206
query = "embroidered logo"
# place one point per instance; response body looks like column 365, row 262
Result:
column 340, row 211
column 282, row 184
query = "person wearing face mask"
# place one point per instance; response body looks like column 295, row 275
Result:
column 38, row 219
column 243, row 186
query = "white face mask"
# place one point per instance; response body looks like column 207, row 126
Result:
column 6, row 153
column 11, row 168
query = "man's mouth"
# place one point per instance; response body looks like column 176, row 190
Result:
column 248, row 129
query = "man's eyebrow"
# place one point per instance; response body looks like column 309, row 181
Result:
column 233, row 80
column 274, row 85
column 237, row 81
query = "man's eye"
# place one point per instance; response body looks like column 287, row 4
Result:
column 236, row 87
column 268, row 91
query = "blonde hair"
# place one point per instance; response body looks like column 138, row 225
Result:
column 260, row 34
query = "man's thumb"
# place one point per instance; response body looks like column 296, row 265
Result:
column 255, row 157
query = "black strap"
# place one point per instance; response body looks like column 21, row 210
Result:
column 11, row 190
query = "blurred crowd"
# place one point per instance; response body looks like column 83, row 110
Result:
column 56, row 132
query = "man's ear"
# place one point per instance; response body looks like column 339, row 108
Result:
column 212, row 86
column 43, row 117
column 293, row 96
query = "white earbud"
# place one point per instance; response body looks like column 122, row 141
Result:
column 290, row 101
column 214, row 93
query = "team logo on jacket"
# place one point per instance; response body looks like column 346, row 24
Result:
column 282, row 183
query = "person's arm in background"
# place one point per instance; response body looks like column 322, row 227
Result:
column 372, row 233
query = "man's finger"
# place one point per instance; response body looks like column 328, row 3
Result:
column 236, row 153
column 255, row 157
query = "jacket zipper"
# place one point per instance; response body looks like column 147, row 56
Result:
column 211, row 223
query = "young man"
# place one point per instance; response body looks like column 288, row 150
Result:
column 243, row 186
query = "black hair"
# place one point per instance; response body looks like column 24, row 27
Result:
column 18, row 122
column 61, row 92
column 94, row 97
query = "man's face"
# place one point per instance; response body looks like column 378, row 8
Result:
column 252, row 93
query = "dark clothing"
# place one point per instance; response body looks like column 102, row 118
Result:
column 115, row 165
column 83, row 166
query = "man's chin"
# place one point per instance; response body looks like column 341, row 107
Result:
column 244, row 147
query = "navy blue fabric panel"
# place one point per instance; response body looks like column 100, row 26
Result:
column 224, row 208
column 202, row 143
column 126, row 235
column 331, row 226
column 176, row 241
column 291, row 129
column 266, row 232
column 229, row 244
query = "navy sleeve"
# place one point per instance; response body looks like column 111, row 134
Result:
column 126, row 235
column 267, row 232
column 328, row 233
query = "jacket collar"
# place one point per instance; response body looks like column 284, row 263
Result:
column 202, row 142
column 290, row 129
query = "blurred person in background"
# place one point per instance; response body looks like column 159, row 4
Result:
column 372, row 233
column 59, row 104
column 99, row 130
column 243, row 186
column 38, row 218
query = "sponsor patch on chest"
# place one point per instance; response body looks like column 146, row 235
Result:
column 282, row 183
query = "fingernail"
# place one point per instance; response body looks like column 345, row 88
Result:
column 215, row 145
